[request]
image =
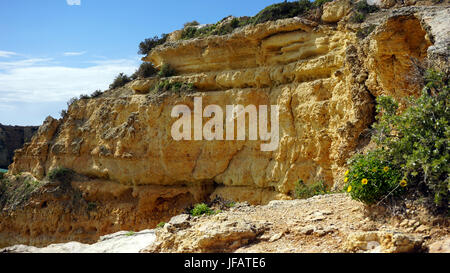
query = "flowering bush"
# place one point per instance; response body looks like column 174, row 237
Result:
column 370, row 178
column 414, row 145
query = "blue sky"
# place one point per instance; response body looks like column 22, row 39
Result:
column 52, row 50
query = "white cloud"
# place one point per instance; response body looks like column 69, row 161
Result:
column 24, row 63
column 38, row 80
column 7, row 54
column 74, row 53
column 73, row 2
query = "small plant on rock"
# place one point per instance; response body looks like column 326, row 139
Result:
column 148, row 44
column 364, row 32
column 96, row 94
column 145, row 70
column 303, row 191
column 62, row 175
column 120, row 81
column 201, row 209
column 191, row 24
column 166, row 85
column 362, row 8
column 320, row 3
column 166, row 71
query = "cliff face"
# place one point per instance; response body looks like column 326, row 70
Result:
column 321, row 75
column 12, row 138
column 311, row 72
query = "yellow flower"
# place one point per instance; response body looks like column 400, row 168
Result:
column 374, row 170
column 346, row 179
column 403, row 183
column 349, row 189
column 386, row 169
column 347, row 172
column 355, row 175
column 364, row 181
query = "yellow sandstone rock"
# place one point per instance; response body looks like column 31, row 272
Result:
column 335, row 10
column 314, row 74
column 322, row 77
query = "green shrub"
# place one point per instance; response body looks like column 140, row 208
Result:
column 161, row 225
column 145, row 70
column 319, row 3
column 189, row 33
column 281, row 11
column 193, row 32
column 358, row 17
column 365, row 8
column 201, row 209
column 166, row 71
column 271, row 13
column 62, row 175
column 303, row 191
column 16, row 191
column 84, row 97
column 63, row 113
column 413, row 145
column 364, row 32
column 166, row 85
column 362, row 8
column 120, row 81
column 235, row 23
column 148, row 44
column 71, row 101
column 96, row 94
column 417, row 140
column 371, row 178
column 130, row 233
column 191, row 24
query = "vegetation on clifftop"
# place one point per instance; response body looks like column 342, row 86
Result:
column 362, row 8
column 165, row 85
column 271, row 13
column 228, row 24
column 120, row 81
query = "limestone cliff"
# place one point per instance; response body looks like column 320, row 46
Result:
column 322, row 75
column 12, row 138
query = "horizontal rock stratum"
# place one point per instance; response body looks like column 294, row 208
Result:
column 323, row 77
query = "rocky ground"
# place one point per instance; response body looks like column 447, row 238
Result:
column 327, row 223
column 323, row 224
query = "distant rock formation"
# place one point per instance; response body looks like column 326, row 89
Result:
column 12, row 138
